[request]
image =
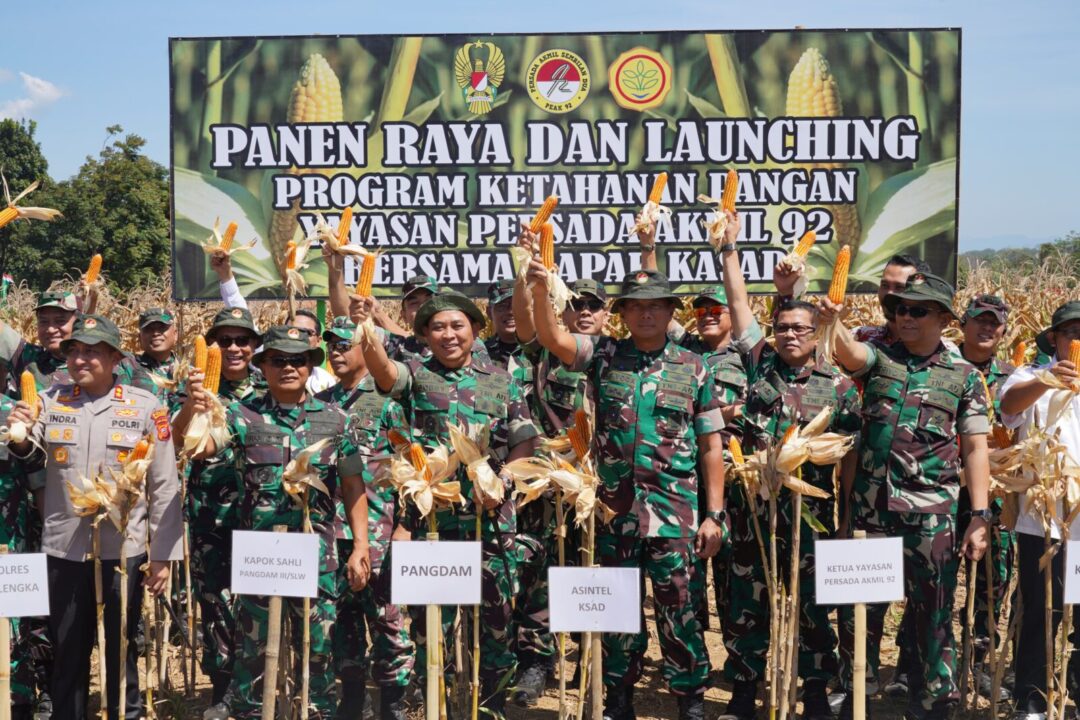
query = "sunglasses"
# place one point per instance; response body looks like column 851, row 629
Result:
column 916, row 311
column 797, row 330
column 224, row 341
column 293, row 361
column 714, row 310
column 341, row 346
column 307, row 331
column 594, row 305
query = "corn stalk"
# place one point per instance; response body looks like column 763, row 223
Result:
column 273, row 651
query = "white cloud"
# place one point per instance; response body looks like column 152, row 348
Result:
column 39, row 93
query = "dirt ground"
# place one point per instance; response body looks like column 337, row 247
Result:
column 652, row 699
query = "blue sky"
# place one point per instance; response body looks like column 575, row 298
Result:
column 77, row 67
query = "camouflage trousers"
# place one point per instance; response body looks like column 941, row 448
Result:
column 499, row 586
column 532, row 556
column 358, row 613
column 249, row 654
column 670, row 565
column 748, row 614
column 931, row 563
column 211, row 549
column 22, row 665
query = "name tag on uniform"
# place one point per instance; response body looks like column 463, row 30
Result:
column 24, row 586
column 275, row 563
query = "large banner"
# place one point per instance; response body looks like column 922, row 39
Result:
column 442, row 146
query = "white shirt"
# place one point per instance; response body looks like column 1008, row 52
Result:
column 1069, row 424
column 320, row 380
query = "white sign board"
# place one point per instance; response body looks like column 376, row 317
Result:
column 595, row 599
column 859, row 571
column 435, row 572
column 275, row 563
column 24, row 585
column 1072, row 572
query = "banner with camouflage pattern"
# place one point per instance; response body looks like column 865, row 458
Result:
column 442, row 145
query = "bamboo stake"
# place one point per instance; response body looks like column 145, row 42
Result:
column 122, row 668
column 305, row 671
column 100, row 597
column 5, row 661
column 792, row 667
column 189, row 672
column 560, row 532
column 775, row 614
column 991, row 614
column 969, row 632
column 434, row 628
column 476, row 635
column 1049, row 615
column 858, row 685
column 597, row 639
column 584, row 659
column 273, row 651
column 163, row 633
column 1012, row 624
column 150, row 630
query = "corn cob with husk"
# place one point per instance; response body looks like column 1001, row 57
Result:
column 222, row 242
column 533, row 476
column 826, row 333
column 367, row 274
column 209, row 424
column 580, row 435
column 1019, row 354
column 336, row 240
column 300, row 476
column 796, row 260
column 315, row 98
column 559, row 293
column 725, row 202
column 1063, row 393
column 543, row 215
column 473, row 454
column 294, row 264
column 11, row 211
column 17, row 431
column 424, row 478
column 90, row 285
column 200, row 354
column 813, row 92
column 547, row 245
column 653, row 212
column 212, row 380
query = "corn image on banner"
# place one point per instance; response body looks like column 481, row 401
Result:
column 436, row 148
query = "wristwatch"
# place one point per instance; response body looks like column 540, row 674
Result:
column 717, row 516
column 985, row 514
column 648, row 248
column 727, row 247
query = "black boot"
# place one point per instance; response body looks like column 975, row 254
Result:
column 847, row 710
column 692, row 707
column 353, row 695
column 743, row 702
column 532, row 681
column 815, row 701
column 619, row 704
column 219, row 684
column 391, row 703
column 493, row 698
column 22, row 712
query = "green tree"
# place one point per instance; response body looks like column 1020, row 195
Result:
column 21, row 162
column 116, row 205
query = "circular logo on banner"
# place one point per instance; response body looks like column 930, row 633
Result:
column 557, row 81
column 639, row 79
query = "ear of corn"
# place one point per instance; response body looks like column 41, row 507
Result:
column 1019, row 353
column 140, row 451
column 807, row 242
column 227, row 237
column 579, row 435
column 212, row 381
column 547, row 245
column 838, row 287
column 731, row 189
column 199, row 357
column 1002, row 439
column 7, row 215
column 543, row 214
column 397, row 440
column 735, row 448
column 367, row 275
column 1074, row 354
column 789, row 432
column 344, row 228
column 419, row 460
column 28, row 389
column 94, row 270
column 657, row 191
column 290, row 257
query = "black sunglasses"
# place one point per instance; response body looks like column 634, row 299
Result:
column 595, row 305
column 915, row 311
column 281, row 361
column 224, row 341
column 340, row 346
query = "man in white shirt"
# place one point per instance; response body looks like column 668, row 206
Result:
column 1025, row 403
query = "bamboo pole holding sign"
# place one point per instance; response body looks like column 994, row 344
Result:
column 858, row 685
column 5, row 661
column 273, row 651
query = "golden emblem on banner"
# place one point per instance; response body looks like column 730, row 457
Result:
column 479, row 68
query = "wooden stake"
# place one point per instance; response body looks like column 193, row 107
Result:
column 305, row 670
column 991, row 612
column 791, row 671
column 434, row 629
column 560, row 541
column 163, row 633
column 150, row 631
column 775, row 616
column 858, row 685
column 1049, row 587
column 273, row 651
column 1012, row 623
column 969, row 632
column 100, row 597
column 597, row 641
column 122, row 668
column 5, row 661
column 476, row 635
column 1066, row 650
column 189, row 671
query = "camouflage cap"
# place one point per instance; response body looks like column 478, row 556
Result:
column 290, row 340
column 923, row 287
column 500, row 291
column 716, row 294
column 1065, row 313
column 585, row 286
column 987, row 304
column 342, row 328
column 232, row 317
column 57, row 299
column 155, row 315
column 419, row 282
column 94, row 329
column 644, row 285
column 446, row 300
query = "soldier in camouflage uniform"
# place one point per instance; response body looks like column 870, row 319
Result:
column 984, row 324
column 392, row 652
column 455, row 385
column 14, row 511
column 267, row 432
column 157, row 338
column 656, row 418
column 787, row 386
column 920, row 399
column 213, row 502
